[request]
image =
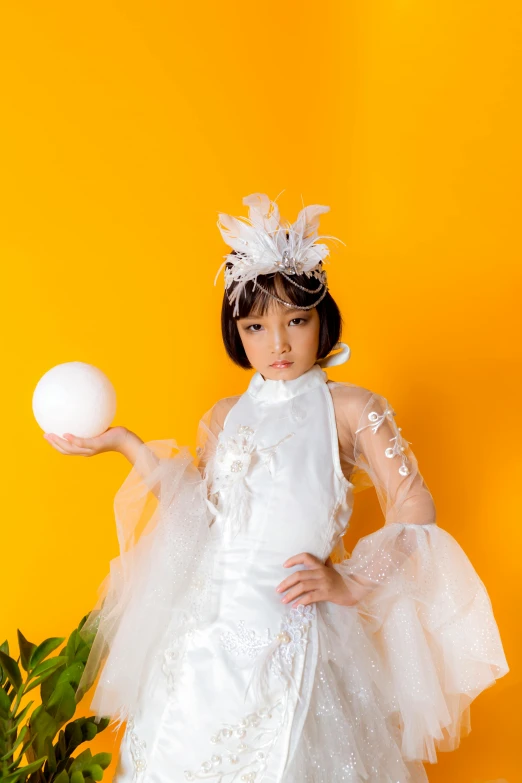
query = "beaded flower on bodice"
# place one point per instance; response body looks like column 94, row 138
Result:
column 234, row 454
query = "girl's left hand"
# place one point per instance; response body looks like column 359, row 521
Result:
column 317, row 582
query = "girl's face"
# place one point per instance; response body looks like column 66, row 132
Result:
column 283, row 343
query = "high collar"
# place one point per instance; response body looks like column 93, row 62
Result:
column 267, row 390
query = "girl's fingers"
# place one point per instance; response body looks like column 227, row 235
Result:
column 303, row 558
column 297, row 576
column 55, row 445
column 64, row 446
column 81, row 444
column 307, row 585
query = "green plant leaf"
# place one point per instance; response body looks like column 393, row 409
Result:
column 82, row 762
column 48, row 685
column 11, row 668
column 61, row 746
column 18, row 742
column 51, row 756
column 79, row 643
column 26, row 650
column 96, row 772
column 90, row 730
column 50, row 666
column 71, row 647
column 40, row 681
column 42, row 725
column 24, row 749
column 4, row 647
column 50, row 663
column 74, row 732
column 103, row 759
column 72, row 674
column 63, row 777
column 44, row 649
column 62, row 704
column 5, row 704
column 102, row 725
column 24, row 771
column 77, row 777
column 21, row 715
column 78, row 647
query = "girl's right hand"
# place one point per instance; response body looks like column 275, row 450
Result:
column 112, row 439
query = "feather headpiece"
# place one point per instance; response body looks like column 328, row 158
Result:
column 265, row 244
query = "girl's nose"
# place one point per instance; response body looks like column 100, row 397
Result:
column 280, row 342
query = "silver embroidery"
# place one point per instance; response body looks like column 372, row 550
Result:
column 172, row 656
column 267, row 453
column 244, row 642
column 245, row 746
column 137, row 750
column 289, row 641
column 399, row 443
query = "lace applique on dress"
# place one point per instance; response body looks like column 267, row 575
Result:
column 244, row 641
column 137, row 750
column 245, row 746
column 172, row 657
column 276, row 652
column 291, row 638
column 399, row 443
column 285, row 644
column 227, row 488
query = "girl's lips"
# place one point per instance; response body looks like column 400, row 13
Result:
column 281, row 364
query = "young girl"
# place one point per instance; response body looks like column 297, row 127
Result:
column 238, row 640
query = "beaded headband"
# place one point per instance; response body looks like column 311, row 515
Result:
column 264, row 244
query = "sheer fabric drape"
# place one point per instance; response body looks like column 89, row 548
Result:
column 421, row 601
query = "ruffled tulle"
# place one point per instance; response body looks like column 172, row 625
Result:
column 430, row 622
column 159, row 583
column 350, row 733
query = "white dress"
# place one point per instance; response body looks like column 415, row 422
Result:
column 221, row 681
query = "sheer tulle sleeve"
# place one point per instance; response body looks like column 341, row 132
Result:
column 417, row 593
column 160, row 579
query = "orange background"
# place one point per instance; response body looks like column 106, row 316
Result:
column 126, row 127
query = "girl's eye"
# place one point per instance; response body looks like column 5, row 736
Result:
column 253, row 327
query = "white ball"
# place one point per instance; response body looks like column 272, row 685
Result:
column 74, row 397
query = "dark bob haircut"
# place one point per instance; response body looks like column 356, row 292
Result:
column 255, row 302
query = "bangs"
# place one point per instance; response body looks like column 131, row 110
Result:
column 253, row 301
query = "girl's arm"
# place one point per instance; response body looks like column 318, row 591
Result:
column 375, row 453
column 129, row 446
column 118, row 439
column 423, row 602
